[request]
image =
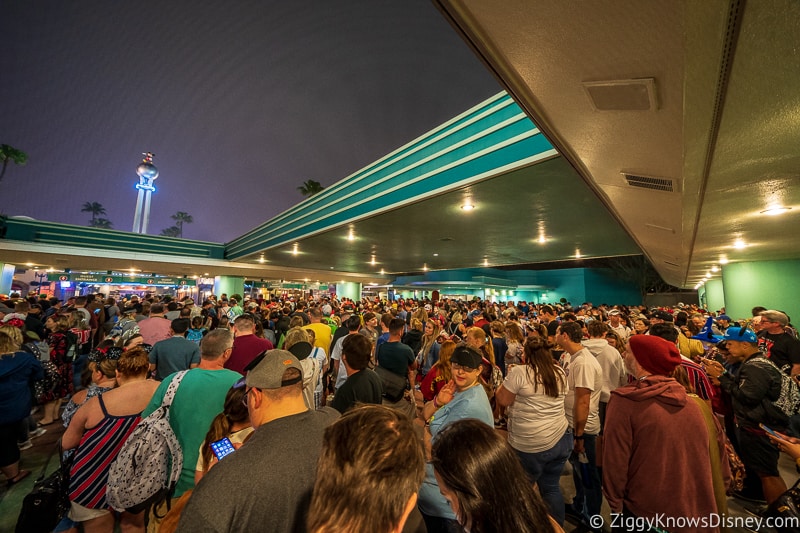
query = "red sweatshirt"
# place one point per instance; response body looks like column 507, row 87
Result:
column 655, row 455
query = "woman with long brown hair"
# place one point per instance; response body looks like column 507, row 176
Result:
column 439, row 374
column 477, row 472
column 233, row 422
column 429, row 352
column 538, row 430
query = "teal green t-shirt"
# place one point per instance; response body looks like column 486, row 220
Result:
column 200, row 397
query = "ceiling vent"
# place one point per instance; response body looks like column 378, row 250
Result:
column 622, row 95
column 649, row 182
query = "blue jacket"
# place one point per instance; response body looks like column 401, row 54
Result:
column 17, row 373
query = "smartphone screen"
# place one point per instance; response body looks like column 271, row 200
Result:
column 770, row 431
column 222, row 447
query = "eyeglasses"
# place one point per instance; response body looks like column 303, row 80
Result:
column 244, row 398
column 456, row 367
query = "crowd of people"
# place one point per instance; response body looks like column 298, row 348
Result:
column 453, row 415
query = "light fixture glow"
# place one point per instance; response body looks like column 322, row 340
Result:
column 775, row 210
column 425, row 267
column 351, row 236
column 383, row 272
column 739, row 244
column 486, row 261
column 373, row 262
column 541, row 239
column 715, row 268
column 577, row 253
column 723, row 260
column 467, row 206
column 435, row 255
column 262, row 260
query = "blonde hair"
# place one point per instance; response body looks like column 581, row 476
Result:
column 10, row 339
column 295, row 335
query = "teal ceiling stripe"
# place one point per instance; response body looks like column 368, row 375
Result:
column 514, row 154
column 486, row 127
column 476, row 121
column 488, row 140
column 38, row 231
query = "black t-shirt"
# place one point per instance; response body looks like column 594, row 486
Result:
column 781, row 348
column 395, row 357
column 364, row 386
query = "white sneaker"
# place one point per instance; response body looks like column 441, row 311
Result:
column 25, row 445
column 38, row 432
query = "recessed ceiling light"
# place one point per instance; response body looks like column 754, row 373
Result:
column 383, row 272
column 425, row 267
column 206, row 273
column 776, row 210
column 541, row 239
column 577, row 253
column 715, row 268
column 262, row 260
column 331, row 268
column 28, row 264
column 486, row 261
column 723, row 260
column 435, row 255
column 467, row 206
column 351, row 236
column 739, row 244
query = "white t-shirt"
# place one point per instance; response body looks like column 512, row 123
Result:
column 336, row 355
column 584, row 371
column 614, row 373
column 537, row 421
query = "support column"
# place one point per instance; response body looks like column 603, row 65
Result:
column 6, row 278
column 715, row 295
column 349, row 290
column 228, row 285
column 772, row 284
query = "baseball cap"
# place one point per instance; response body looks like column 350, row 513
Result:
column 614, row 312
column 663, row 315
column 724, row 317
column 268, row 374
column 466, row 356
column 740, row 335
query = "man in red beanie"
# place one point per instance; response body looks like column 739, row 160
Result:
column 656, row 440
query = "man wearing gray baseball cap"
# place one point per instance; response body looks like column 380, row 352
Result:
column 241, row 492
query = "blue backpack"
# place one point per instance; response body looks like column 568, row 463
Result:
column 195, row 335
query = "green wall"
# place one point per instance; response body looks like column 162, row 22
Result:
column 715, row 295
column 772, row 284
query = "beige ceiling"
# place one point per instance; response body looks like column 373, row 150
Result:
column 725, row 129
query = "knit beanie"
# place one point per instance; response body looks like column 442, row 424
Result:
column 654, row 354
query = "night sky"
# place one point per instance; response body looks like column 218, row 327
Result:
column 240, row 101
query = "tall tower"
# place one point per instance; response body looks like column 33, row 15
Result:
column 147, row 172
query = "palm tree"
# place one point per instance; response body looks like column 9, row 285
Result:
column 172, row 231
column 180, row 219
column 9, row 153
column 96, row 209
column 102, row 223
column 310, row 188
